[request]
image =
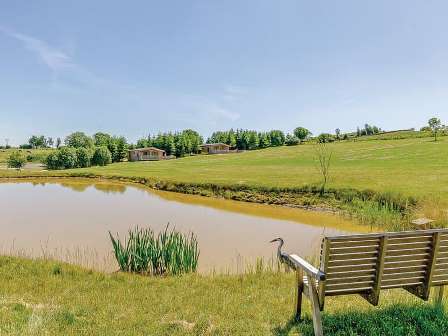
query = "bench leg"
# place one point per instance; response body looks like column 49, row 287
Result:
column 314, row 299
column 299, row 295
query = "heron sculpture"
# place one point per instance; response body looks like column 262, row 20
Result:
column 282, row 257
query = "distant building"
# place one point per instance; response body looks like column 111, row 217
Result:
column 215, row 148
column 146, row 154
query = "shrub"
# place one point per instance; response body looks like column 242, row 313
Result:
column 67, row 157
column 102, row 156
column 83, row 157
column 16, row 160
column 325, row 137
column 292, row 140
column 64, row 158
column 52, row 161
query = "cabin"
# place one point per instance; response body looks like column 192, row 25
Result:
column 146, row 154
column 215, row 148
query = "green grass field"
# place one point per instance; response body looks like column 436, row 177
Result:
column 410, row 166
column 50, row 298
column 35, row 155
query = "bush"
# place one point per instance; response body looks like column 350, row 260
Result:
column 102, row 156
column 292, row 140
column 67, row 157
column 325, row 137
column 16, row 160
column 52, row 161
column 64, row 158
column 83, row 157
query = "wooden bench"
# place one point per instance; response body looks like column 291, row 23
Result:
column 365, row 264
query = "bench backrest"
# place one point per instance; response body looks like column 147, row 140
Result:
column 367, row 263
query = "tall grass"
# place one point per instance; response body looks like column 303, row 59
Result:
column 168, row 253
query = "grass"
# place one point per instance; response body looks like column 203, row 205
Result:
column 33, row 155
column 170, row 253
column 50, row 298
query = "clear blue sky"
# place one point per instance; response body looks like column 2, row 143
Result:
column 134, row 67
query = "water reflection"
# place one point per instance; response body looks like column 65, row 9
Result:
column 69, row 220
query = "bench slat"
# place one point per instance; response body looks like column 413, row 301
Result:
column 342, row 268
column 351, row 256
column 358, row 243
column 403, row 275
column 407, row 251
column 352, row 262
column 363, row 284
column 350, row 280
column 349, row 274
column 353, row 249
column 408, row 246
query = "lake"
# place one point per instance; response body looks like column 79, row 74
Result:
column 69, row 219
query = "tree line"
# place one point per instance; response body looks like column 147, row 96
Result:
column 243, row 139
column 82, row 151
column 176, row 144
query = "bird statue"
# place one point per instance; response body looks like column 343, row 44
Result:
column 283, row 257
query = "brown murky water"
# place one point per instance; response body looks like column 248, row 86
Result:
column 70, row 219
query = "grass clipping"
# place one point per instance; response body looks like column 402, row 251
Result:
column 168, row 253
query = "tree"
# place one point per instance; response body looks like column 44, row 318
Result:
column 338, row 133
column 121, row 149
column 50, row 142
column 142, row 143
column 277, row 138
column 79, row 139
column 302, row 133
column 66, row 157
column 291, row 140
column 52, row 161
column 324, row 138
column 83, row 157
column 102, row 156
column 435, row 125
column 16, row 160
column 323, row 157
column 101, row 139
column 37, row 141
column 58, row 142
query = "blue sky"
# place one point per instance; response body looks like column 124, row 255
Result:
column 134, row 67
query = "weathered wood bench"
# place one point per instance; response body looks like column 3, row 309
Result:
column 365, row 264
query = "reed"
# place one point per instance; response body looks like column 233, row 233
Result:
column 169, row 253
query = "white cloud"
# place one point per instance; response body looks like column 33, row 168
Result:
column 54, row 58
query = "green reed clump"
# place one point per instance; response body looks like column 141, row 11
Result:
column 168, row 253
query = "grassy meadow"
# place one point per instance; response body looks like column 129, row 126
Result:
column 51, row 298
column 409, row 166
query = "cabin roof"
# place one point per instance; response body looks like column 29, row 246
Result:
column 147, row 149
column 215, row 144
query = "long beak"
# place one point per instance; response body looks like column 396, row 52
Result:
column 274, row 240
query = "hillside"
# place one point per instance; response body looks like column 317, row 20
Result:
column 410, row 166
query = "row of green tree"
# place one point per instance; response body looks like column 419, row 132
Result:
column 244, row 139
column 177, row 144
column 81, row 151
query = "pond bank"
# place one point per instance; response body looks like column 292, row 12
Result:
column 391, row 211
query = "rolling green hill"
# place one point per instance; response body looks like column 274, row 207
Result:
column 416, row 166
